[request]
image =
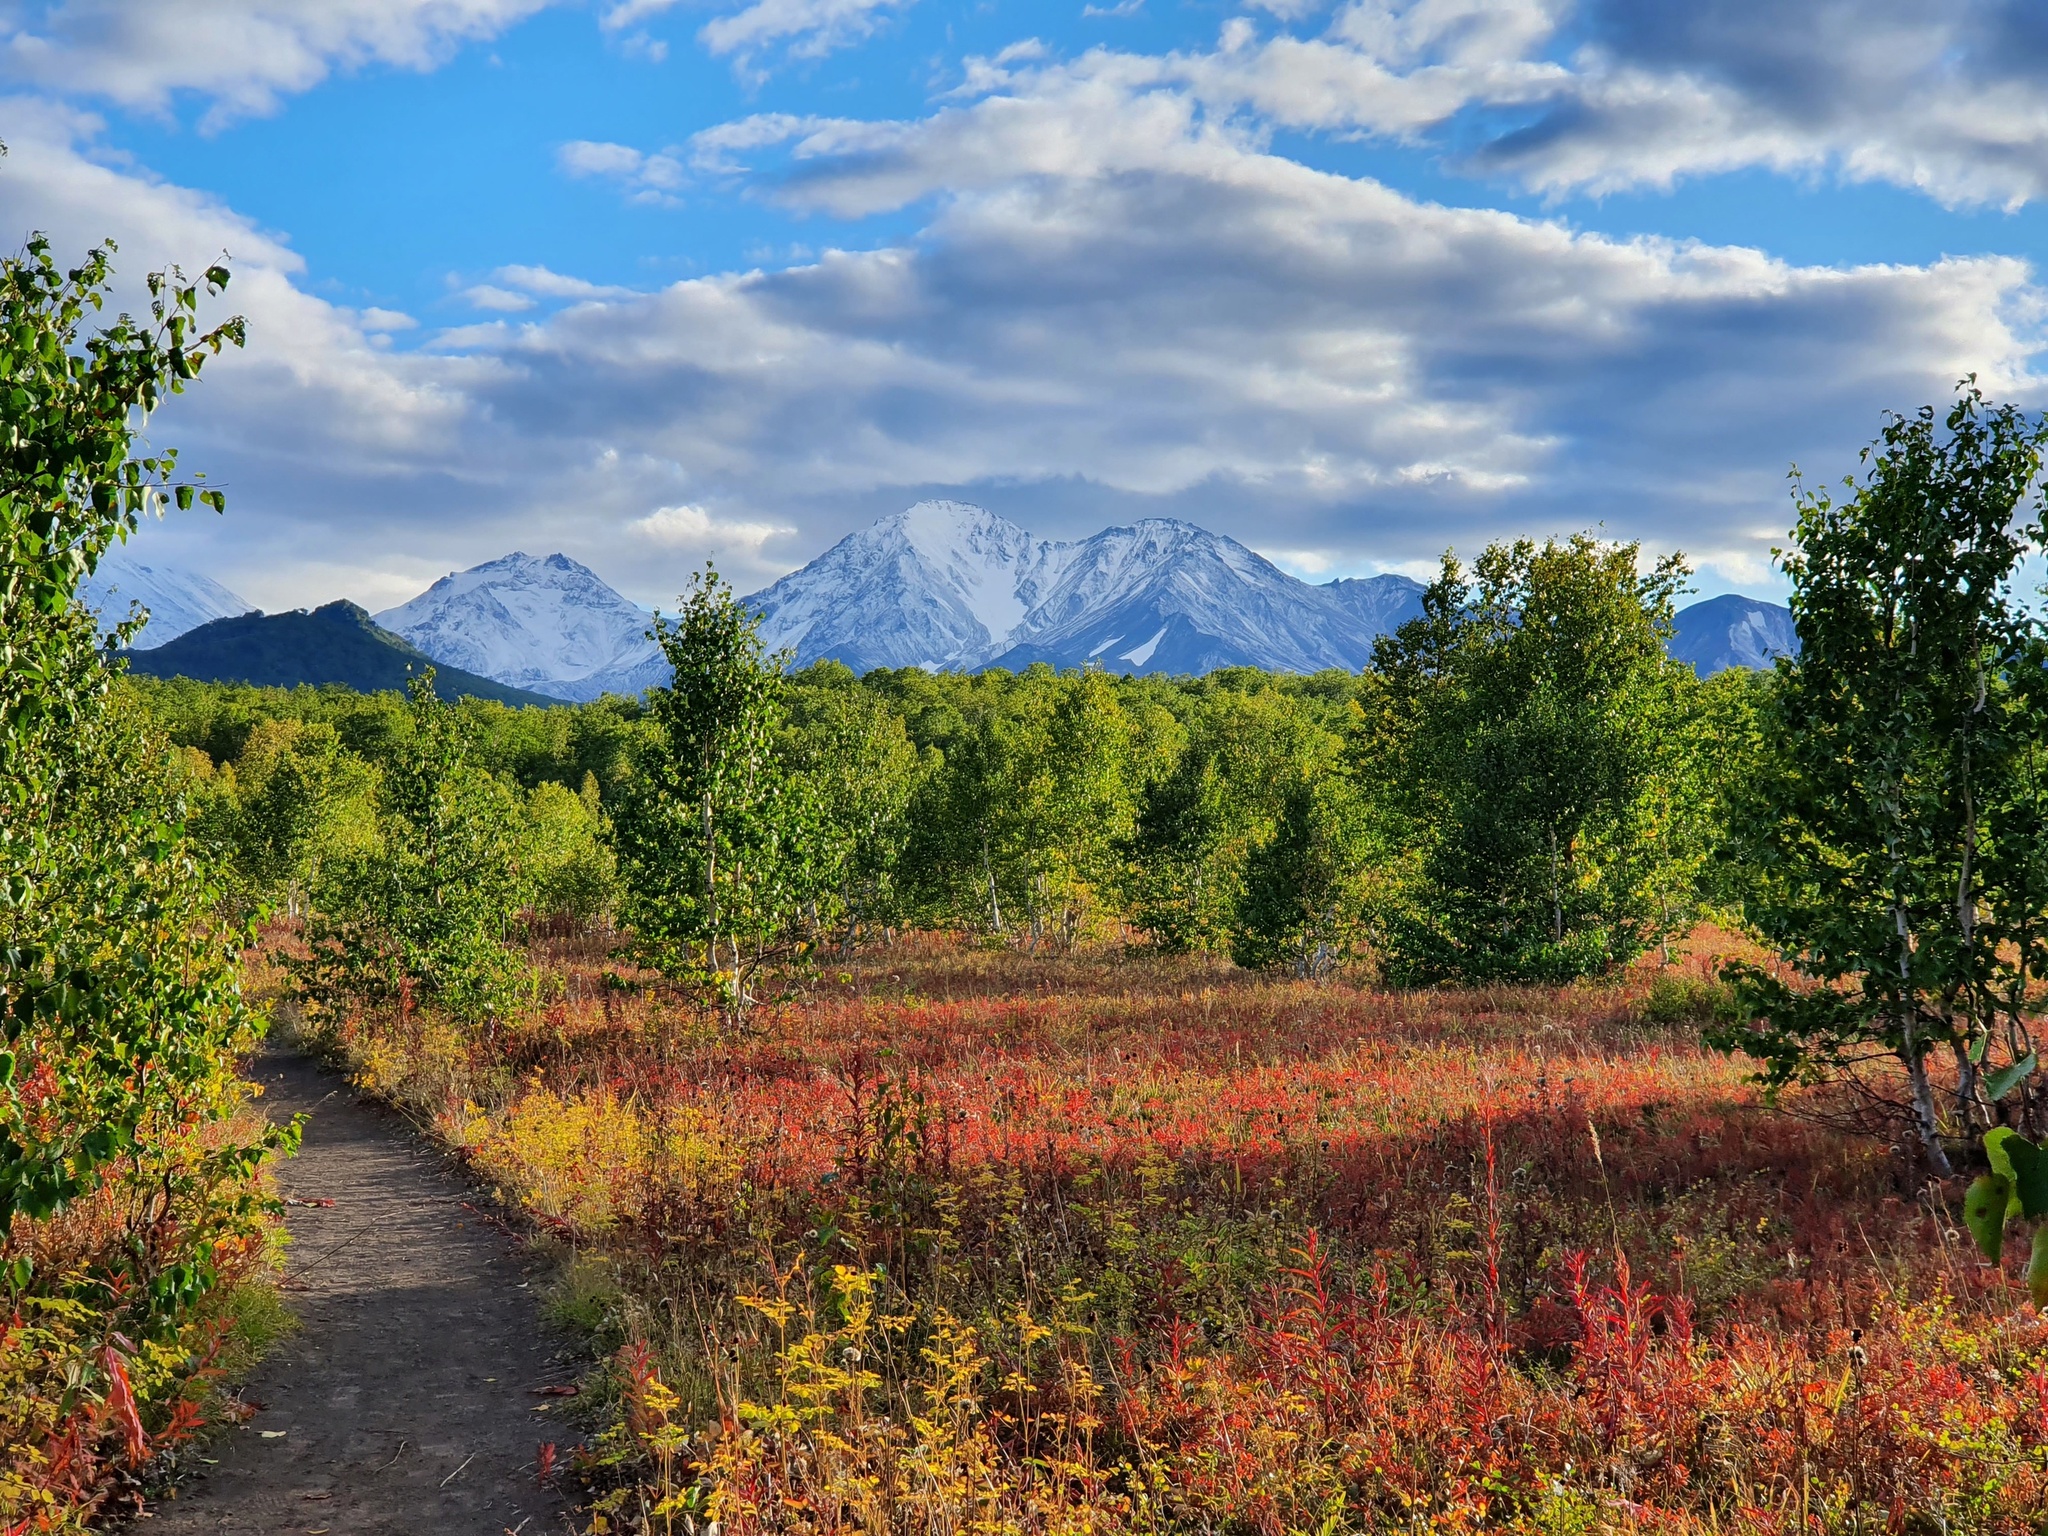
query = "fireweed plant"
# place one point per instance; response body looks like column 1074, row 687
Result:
column 973, row 1240
column 129, row 1209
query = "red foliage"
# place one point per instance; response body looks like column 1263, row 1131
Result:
column 1546, row 1254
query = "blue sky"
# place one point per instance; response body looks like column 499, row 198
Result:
column 651, row 281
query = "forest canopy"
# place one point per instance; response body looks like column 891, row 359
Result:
column 1522, row 785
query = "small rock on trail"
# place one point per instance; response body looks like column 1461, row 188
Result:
column 407, row 1402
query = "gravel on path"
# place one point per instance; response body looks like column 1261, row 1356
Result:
column 408, row 1400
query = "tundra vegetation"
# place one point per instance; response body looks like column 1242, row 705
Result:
column 1521, row 1086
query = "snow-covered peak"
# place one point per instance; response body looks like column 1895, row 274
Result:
column 541, row 622
column 939, row 584
column 1383, row 602
column 1118, row 563
column 1166, row 595
column 947, row 584
column 991, row 565
column 515, row 569
column 177, row 600
column 942, row 584
column 1733, row 631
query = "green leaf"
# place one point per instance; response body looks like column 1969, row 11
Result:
column 1984, row 1212
column 2001, row 1163
column 1994, row 1149
column 2000, row 1083
column 2030, row 1175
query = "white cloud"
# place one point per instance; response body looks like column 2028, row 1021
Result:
column 639, row 45
column 627, row 13
column 556, row 285
column 694, row 528
column 1122, row 303
column 1612, row 94
column 648, row 178
column 244, row 54
column 375, row 319
column 716, row 150
column 1305, row 563
column 1106, row 115
column 804, row 29
column 586, row 157
column 490, row 296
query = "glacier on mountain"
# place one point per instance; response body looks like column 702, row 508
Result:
column 940, row 584
column 177, row 600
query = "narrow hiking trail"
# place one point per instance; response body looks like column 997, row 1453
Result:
column 406, row 1402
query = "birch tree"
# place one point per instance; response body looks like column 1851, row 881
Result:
column 713, row 830
column 1900, row 838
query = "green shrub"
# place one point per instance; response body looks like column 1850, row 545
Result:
column 1679, row 997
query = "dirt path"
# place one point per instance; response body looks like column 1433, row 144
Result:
column 404, row 1404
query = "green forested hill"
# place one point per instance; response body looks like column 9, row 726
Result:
column 338, row 643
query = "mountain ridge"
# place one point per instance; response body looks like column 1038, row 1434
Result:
column 1732, row 631
column 935, row 585
column 337, row 642
column 176, row 600
column 1163, row 595
column 547, row 624
column 951, row 585
column 947, row 584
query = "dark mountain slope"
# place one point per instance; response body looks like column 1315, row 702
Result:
column 337, row 643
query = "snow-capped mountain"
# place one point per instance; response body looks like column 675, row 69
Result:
column 546, row 624
column 946, row 584
column 1733, row 631
column 1166, row 596
column 943, row 584
column 177, row 600
column 1384, row 603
